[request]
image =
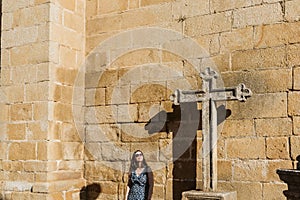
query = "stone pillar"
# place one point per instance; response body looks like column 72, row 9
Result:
column 42, row 49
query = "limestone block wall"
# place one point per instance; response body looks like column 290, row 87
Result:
column 46, row 154
column 252, row 42
column 41, row 49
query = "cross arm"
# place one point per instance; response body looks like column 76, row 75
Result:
column 240, row 93
column 181, row 96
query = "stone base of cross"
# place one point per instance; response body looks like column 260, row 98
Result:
column 209, row 95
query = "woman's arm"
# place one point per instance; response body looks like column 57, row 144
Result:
column 127, row 192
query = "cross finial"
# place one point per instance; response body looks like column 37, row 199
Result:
column 243, row 92
column 208, row 74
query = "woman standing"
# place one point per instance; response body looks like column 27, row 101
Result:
column 140, row 178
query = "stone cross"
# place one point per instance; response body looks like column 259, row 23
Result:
column 209, row 95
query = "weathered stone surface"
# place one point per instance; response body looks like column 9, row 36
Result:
column 36, row 92
column 275, row 34
column 68, row 4
column 273, row 191
column 133, row 4
column 65, row 36
column 295, row 146
column 138, row 57
column 153, row 2
column 207, row 24
column 274, row 127
column 189, row 9
column 5, row 58
column 56, row 186
column 92, row 7
column 20, row 36
column 239, row 39
column 31, row 16
column 72, row 150
column 262, row 14
column 20, row 195
column 210, row 43
column 107, row 78
column 250, row 148
column 277, row 148
column 294, row 103
column 260, row 106
column 225, row 170
column 102, row 133
column 16, row 131
column 73, row 165
column 62, row 112
column 148, row 93
column 39, row 166
column 158, row 192
column 12, row 166
column 146, row 16
column 21, row 112
column 127, row 113
column 252, row 170
column 95, row 97
column 245, row 190
column 66, row 75
column 14, row 94
column 40, row 111
column 17, row 149
column 217, row 5
column 69, row 133
column 237, row 128
column 296, row 125
column 292, row 10
column 296, row 81
column 30, row 54
column 115, row 151
column 101, row 114
column 292, row 54
column 103, row 24
column 51, row 151
column 67, row 57
column 106, row 7
column 70, row 18
column 259, row 58
column 9, row 6
column 116, row 95
column 101, row 172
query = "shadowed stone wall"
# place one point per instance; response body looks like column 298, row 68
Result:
column 44, row 43
column 254, row 42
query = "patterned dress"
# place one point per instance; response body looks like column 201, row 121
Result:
column 138, row 186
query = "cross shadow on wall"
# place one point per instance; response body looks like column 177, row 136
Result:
column 184, row 122
column 90, row 192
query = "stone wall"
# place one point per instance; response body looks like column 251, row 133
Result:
column 41, row 48
column 49, row 148
column 251, row 42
